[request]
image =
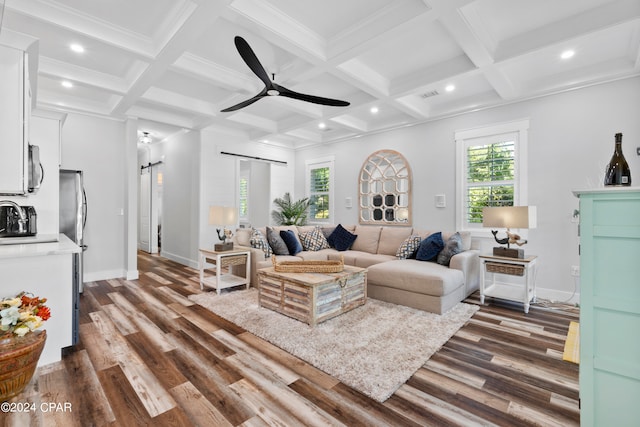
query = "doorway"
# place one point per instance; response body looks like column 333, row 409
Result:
column 150, row 208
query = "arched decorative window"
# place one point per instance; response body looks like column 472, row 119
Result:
column 385, row 189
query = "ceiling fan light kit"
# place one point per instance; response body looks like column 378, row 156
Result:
column 271, row 88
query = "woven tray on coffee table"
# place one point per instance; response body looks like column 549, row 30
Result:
column 313, row 266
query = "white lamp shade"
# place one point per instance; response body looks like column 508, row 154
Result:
column 223, row 215
column 509, row 217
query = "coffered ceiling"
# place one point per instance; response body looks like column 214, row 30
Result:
column 173, row 63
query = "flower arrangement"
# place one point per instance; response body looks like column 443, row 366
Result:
column 22, row 314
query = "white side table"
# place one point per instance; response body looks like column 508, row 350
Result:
column 224, row 259
column 523, row 267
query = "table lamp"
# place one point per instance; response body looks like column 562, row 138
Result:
column 509, row 217
column 225, row 216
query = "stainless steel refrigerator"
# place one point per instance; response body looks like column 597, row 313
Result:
column 73, row 217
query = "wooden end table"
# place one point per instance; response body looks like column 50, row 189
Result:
column 223, row 259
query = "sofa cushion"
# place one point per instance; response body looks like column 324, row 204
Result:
column 291, row 241
column 416, row 276
column 259, row 241
column 430, row 247
column 391, row 238
column 321, row 255
column 313, row 240
column 341, row 239
column 368, row 237
column 409, row 247
column 278, row 245
column 359, row 258
column 451, row 247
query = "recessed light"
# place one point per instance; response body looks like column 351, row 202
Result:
column 567, row 54
column 67, row 84
column 76, row 48
column 450, row 88
column 322, row 125
column 374, row 110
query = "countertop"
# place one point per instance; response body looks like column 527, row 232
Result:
column 63, row 246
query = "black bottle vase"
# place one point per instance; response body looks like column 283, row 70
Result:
column 618, row 172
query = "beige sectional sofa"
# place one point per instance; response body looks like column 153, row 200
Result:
column 420, row 284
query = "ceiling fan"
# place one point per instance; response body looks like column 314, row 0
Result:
column 271, row 88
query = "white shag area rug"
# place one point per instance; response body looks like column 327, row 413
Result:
column 374, row 348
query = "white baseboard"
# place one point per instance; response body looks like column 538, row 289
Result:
column 103, row 275
column 555, row 295
column 179, row 259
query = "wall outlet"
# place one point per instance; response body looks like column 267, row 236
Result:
column 575, row 270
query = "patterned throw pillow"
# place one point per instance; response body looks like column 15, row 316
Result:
column 451, row 247
column 314, row 240
column 409, row 247
column 259, row 241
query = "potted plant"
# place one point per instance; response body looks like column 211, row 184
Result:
column 288, row 212
column 20, row 342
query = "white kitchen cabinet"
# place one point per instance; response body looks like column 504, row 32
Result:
column 15, row 111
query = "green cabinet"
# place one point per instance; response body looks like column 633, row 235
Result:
column 610, row 306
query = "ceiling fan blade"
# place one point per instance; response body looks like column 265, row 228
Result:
column 251, row 59
column 245, row 103
column 310, row 98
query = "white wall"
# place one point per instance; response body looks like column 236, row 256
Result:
column 181, row 197
column 570, row 142
column 95, row 146
column 220, row 173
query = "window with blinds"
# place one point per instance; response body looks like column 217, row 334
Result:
column 490, row 173
column 319, row 193
column 491, row 170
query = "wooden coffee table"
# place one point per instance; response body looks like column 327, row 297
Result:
column 312, row 297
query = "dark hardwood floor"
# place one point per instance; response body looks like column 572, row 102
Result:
column 148, row 356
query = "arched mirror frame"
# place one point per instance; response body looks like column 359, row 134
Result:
column 384, row 189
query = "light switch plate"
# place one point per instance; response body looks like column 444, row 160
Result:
column 441, row 201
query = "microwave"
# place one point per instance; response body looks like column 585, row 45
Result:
column 10, row 224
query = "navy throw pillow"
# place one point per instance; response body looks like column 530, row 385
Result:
column 291, row 241
column 430, row 247
column 341, row 238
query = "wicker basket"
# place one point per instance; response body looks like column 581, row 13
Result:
column 330, row 266
column 502, row 268
column 18, row 359
column 233, row 260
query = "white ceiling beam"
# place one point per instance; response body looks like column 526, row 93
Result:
column 62, row 16
column 160, row 116
column 265, row 15
column 201, row 18
column 181, row 102
column 253, row 120
column 501, row 82
column 63, row 70
column 189, row 64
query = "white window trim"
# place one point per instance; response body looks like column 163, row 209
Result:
column 520, row 191
column 328, row 161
